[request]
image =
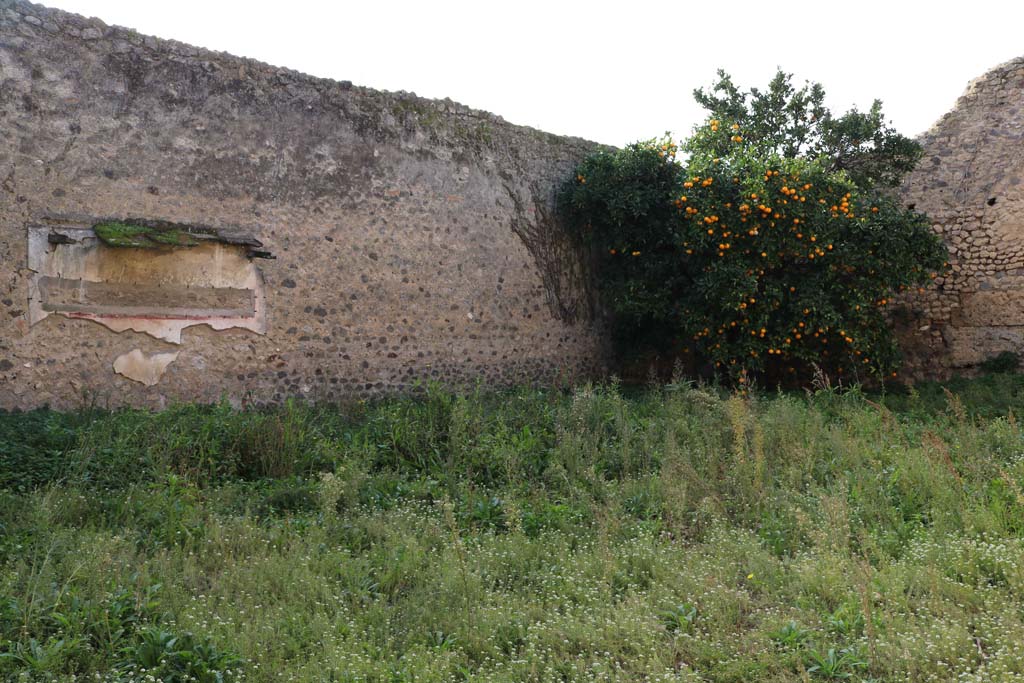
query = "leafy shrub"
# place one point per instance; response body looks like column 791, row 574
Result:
column 34, row 448
column 643, row 500
column 543, row 516
column 205, row 443
column 835, row 664
column 775, row 248
column 790, row 635
column 300, row 496
column 1007, row 361
column 679, row 619
column 75, row 630
column 487, row 512
column 173, row 658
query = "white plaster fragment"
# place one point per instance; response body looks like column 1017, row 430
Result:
column 148, row 370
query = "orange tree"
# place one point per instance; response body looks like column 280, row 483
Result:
column 774, row 248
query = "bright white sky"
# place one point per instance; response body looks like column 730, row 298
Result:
column 613, row 72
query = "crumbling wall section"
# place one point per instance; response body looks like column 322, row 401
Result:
column 413, row 239
column 970, row 182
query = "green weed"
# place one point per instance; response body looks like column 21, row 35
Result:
column 604, row 534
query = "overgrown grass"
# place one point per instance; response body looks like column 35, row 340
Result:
column 674, row 534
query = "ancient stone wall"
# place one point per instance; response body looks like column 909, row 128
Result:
column 307, row 237
column 971, row 184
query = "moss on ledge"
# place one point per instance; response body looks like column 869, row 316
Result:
column 115, row 234
column 146, row 233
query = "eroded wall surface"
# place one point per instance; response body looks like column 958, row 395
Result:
column 971, row 184
column 413, row 239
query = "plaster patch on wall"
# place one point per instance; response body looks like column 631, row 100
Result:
column 156, row 291
column 991, row 308
column 148, row 370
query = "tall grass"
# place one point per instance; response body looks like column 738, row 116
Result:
column 673, row 533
